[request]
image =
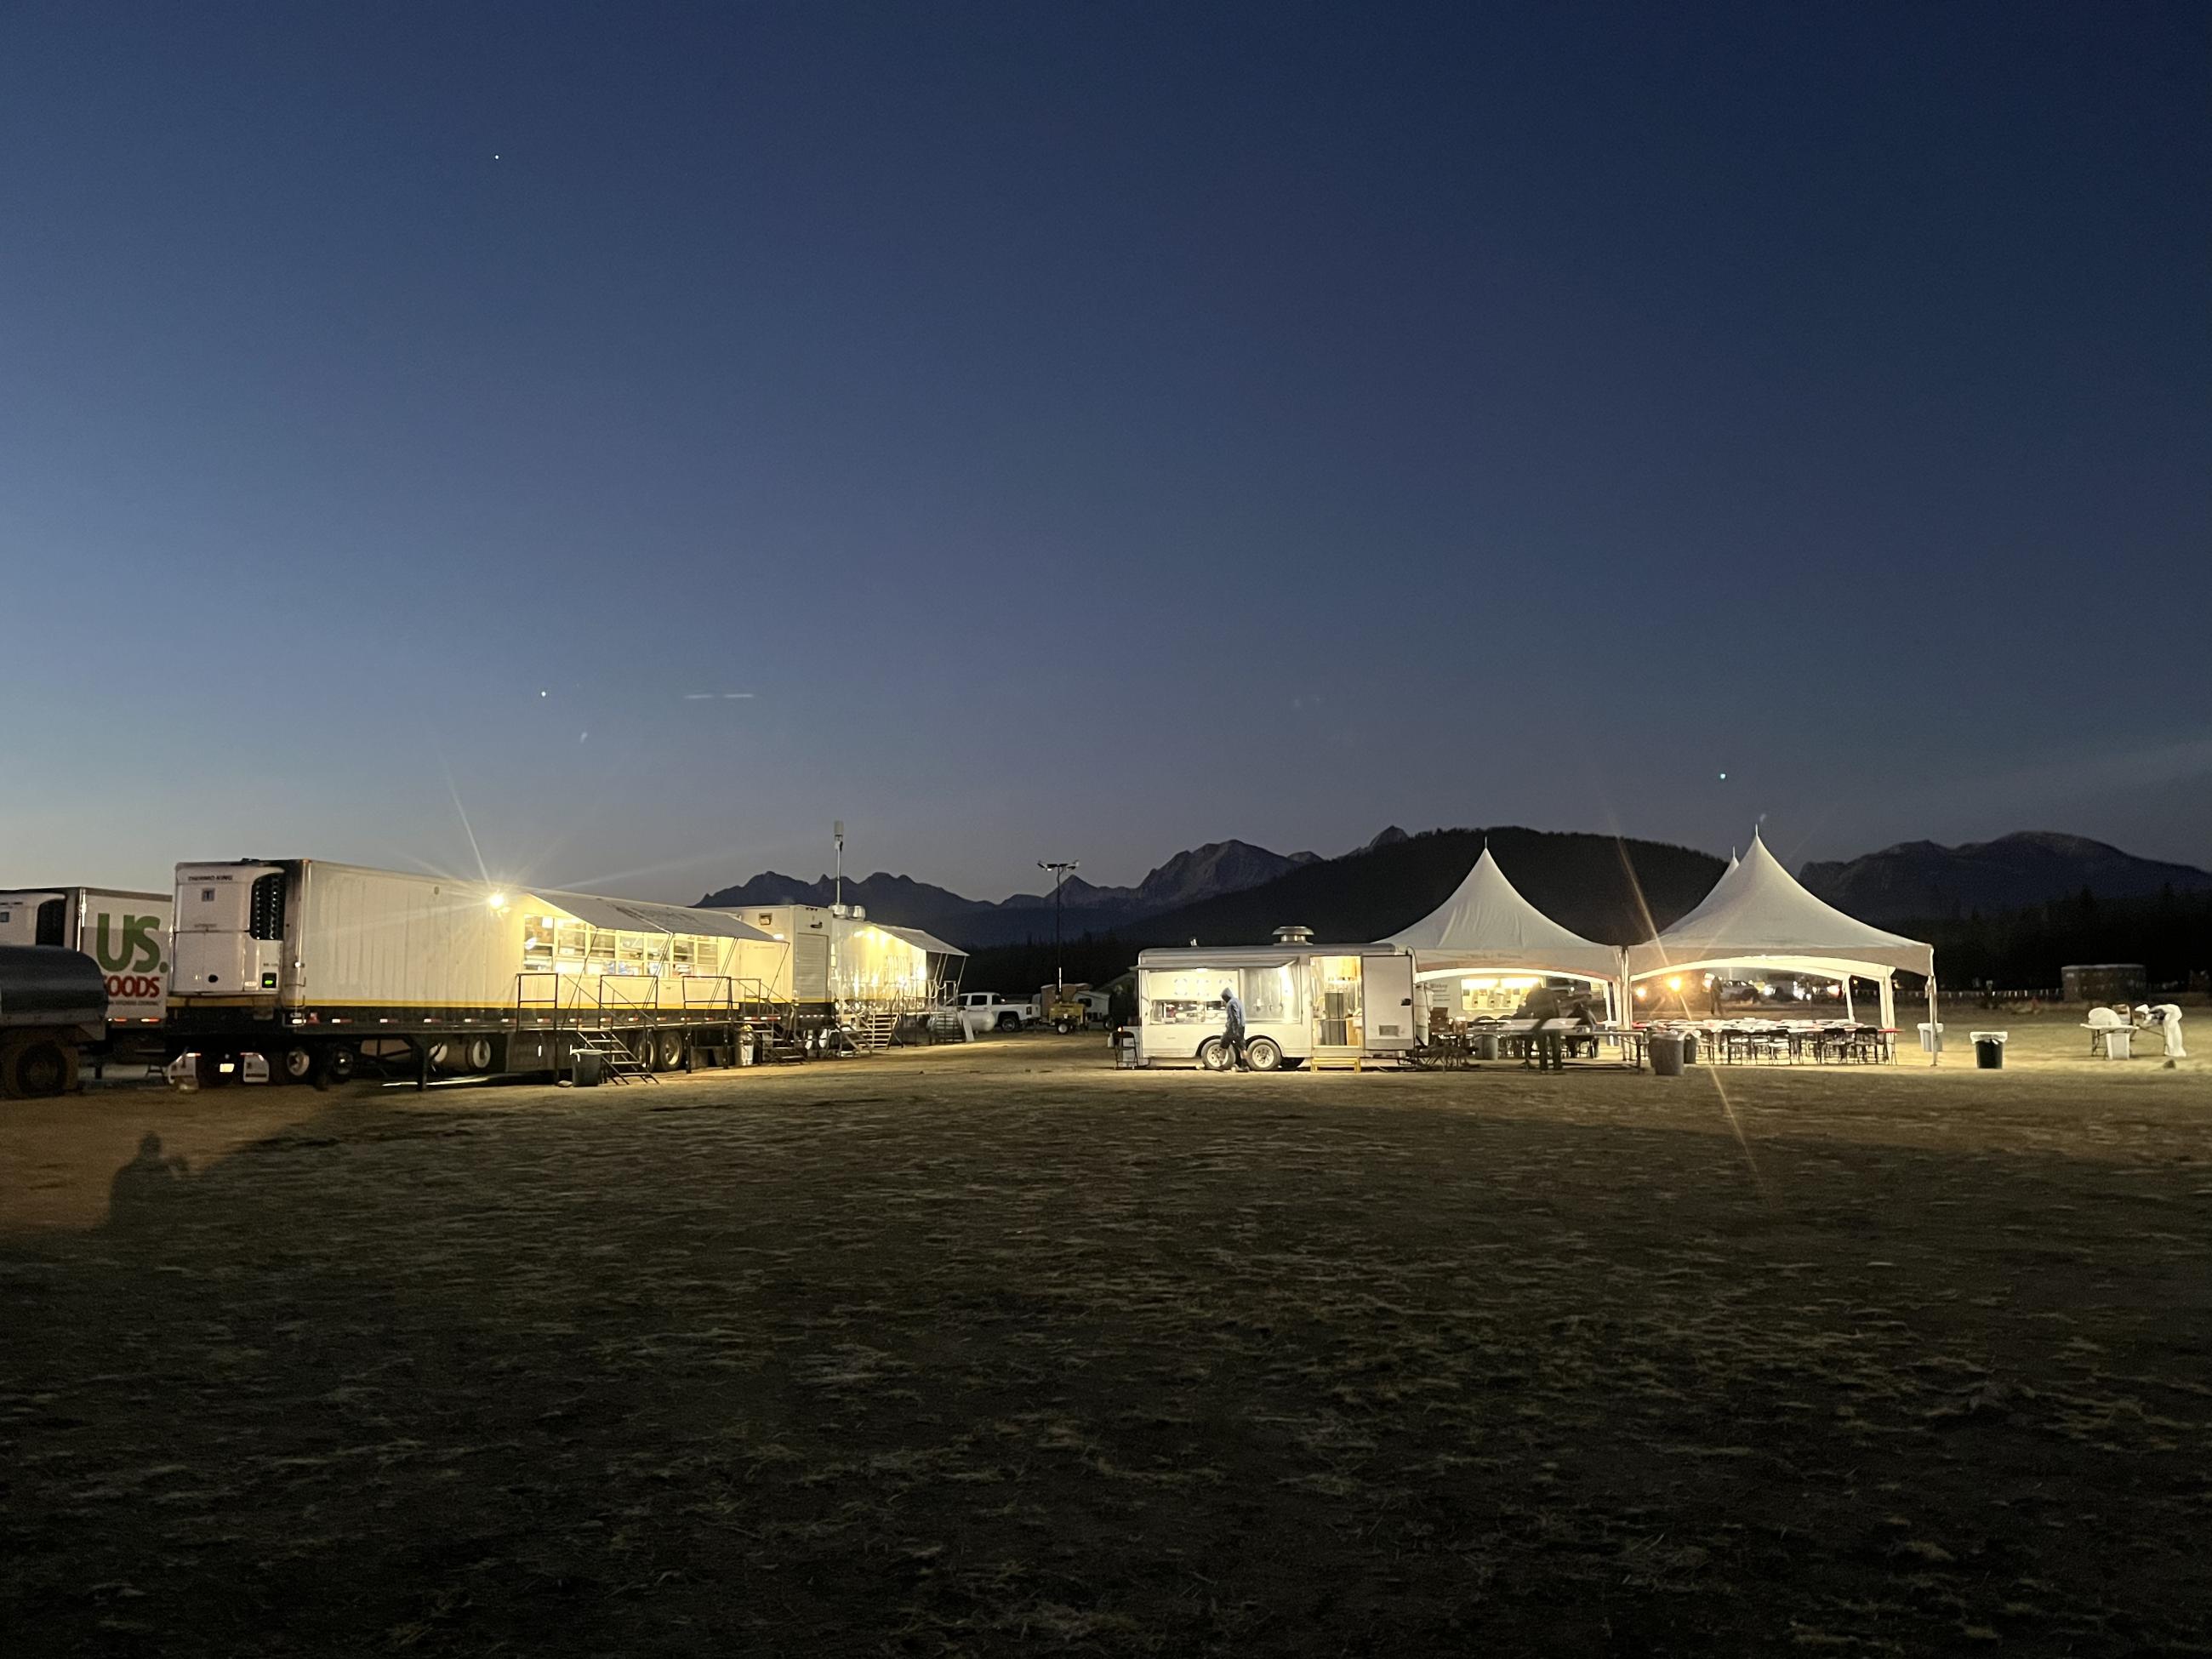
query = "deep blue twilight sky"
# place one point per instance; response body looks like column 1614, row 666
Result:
column 1088, row 430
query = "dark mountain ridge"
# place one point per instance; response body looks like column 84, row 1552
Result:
column 1202, row 873
column 1921, row 880
column 1605, row 888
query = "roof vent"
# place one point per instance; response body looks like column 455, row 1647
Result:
column 1294, row 936
column 860, row 912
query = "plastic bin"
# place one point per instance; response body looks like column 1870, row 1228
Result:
column 1689, row 1047
column 1931, row 1038
column 1666, row 1055
column 1485, row 1044
column 2120, row 1042
column 1989, row 1050
column 590, row 1069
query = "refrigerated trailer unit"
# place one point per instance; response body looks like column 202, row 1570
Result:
column 1302, row 1003
column 125, row 933
column 320, row 967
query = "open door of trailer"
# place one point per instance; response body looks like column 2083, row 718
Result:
column 1390, row 985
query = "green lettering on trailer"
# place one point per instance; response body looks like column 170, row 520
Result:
column 140, row 951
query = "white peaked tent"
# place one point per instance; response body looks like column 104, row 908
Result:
column 1758, row 915
column 1486, row 924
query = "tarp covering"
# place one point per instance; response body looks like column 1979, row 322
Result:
column 641, row 916
column 1486, row 923
column 1758, row 913
column 914, row 936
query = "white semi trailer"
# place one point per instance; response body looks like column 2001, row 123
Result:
column 127, row 933
column 319, row 968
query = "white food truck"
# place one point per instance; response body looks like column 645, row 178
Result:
column 314, row 968
column 127, row 933
column 1302, row 1002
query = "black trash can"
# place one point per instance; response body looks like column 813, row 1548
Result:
column 1989, row 1050
column 1666, row 1055
column 1689, row 1047
column 1485, row 1044
column 590, row 1070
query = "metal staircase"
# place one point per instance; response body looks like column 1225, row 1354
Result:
column 617, row 1061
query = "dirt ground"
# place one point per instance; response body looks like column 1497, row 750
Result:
column 999, row 1350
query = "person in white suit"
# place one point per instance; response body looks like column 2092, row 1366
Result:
column 2166, row 1017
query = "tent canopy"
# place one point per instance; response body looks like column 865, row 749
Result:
column 1758, row 913
column 1486, row 923
column 643, row 916
column 929, row 942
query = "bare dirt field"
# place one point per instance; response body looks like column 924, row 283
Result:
column 998, row 1350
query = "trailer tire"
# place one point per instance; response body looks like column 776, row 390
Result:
column 335, row 1065
column 39, row 1070
column 209, row 1068
column 671, row 1050
column 475, row 1055
column 295, row 1065
column 1264, row 1054
column 1213, row 1055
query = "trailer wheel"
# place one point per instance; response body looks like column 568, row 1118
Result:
column 297, row 1065
column 475, row 1055
column 36, row 1070
column 671, row 1050
column 1264, row 1054
column 1213, row 1055
column 336, row 1064
column 210, row 1068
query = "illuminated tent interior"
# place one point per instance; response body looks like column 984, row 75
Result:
column 1758, row 916
column 1487, row 932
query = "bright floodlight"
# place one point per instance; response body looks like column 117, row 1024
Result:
column 499, row 901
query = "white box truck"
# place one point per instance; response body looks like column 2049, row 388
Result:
column 127, row 933
column 319, row 968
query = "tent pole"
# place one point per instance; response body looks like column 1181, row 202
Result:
column 1849, row 1013
column 1934, row 1031
column 1887, row 986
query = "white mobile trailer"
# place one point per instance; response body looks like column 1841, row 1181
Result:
column 127, row 933
column 1301, row 1001
column 317, row 966
column 847, row 963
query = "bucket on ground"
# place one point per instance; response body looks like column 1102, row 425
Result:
column 1989, row 1050
column 1666, row 1056
column 1931, row 1038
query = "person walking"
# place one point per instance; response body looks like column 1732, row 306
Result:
column 1232, row 1031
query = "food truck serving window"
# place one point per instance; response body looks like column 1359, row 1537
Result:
column 1192, row 996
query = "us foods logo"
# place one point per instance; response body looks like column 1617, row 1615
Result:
column 130, row 954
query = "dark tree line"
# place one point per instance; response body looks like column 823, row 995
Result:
column 2023, row 950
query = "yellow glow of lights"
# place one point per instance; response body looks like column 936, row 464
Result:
column 498, row 901
column 1674, row 982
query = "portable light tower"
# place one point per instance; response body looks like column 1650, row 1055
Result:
column 1060, row 868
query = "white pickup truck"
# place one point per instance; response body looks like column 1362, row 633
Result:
column 995, row 1012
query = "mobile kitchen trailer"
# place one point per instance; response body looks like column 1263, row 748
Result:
column 127, row 933
column 1302, row 1002
column 319, row 967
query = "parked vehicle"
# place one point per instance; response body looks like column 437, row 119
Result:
column 996, row 1012
column 125, row 933
column 1301, row 1003
column 53, row 1005
column 318, row 968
